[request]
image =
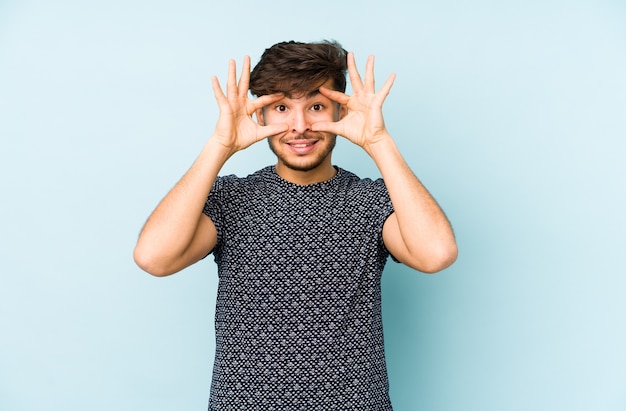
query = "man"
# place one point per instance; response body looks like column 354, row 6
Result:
column 301, row 245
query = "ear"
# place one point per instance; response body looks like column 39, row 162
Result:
column 343, row 111
column 259, row 116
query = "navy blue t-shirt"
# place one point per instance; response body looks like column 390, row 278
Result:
column 298, row 318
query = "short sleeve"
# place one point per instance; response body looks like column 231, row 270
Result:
column 385, row 207
column 383, row 200
column 213, row 207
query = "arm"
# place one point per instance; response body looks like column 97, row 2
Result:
column 177, row 233
column 418, row 233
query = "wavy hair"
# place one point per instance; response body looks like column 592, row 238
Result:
column 295, row 68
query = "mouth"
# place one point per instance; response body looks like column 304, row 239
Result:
column 301, row 146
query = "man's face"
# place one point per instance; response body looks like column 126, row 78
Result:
column 299, row 148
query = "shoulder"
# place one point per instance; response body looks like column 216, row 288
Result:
column 364, row 186
column 232, row 181
column 231, row 190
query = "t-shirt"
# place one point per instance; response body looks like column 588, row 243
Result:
column 298, row 317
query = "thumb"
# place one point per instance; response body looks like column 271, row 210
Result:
column 272, row 129
column 328, row 127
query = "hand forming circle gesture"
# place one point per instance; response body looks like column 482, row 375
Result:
column 235, row 127
column 364, row 124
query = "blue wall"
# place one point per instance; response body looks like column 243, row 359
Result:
column 512, row 113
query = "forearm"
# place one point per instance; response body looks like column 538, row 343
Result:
column 169, row 231
column 423, row 227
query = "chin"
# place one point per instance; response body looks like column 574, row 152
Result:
column 303, row 163
column 304, row 167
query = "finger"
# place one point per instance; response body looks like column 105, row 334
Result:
column 271, row 130
column 217, row 89
column 386, row 88
column 266, row 100
column 244, row 80
column 355, row 77
column 369, row 74
column 231, row 84
column 335, row 95
column 328, row 127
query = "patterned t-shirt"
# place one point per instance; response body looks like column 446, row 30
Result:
column 298, row 318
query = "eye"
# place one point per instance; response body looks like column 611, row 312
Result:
column 281, row 108
column 317, row 107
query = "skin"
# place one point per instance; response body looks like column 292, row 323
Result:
column 301, row 132
column 303, row 155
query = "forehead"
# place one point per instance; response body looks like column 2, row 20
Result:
column 308, row 95
column 311, row 95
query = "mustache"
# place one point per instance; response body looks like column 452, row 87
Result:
column 307, row 135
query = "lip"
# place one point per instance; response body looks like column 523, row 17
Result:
column 302, row 146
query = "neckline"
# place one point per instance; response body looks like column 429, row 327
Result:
column 330, row 182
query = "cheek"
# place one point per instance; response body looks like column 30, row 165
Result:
column 274, row 140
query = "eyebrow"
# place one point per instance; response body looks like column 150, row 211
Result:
column 313, row 93
column 308, row 95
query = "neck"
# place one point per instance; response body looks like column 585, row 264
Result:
column 306, row 177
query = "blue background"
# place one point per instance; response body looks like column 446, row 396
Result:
column 512, row 113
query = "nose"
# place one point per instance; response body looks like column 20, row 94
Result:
column 300, row 122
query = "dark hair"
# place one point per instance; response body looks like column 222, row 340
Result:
column 296, row 68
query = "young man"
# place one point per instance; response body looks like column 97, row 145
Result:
column 300, row 245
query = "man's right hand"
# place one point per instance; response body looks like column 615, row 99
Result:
column 236, row 130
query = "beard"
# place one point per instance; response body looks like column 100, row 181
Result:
column 302, row 164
